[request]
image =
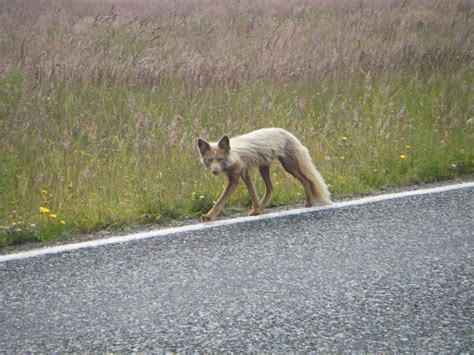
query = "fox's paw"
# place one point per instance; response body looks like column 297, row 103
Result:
column 206, row 218
column 255, row 212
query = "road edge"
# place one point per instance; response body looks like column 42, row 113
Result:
column 231, row 221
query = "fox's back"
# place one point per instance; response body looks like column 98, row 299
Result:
column 262, row 146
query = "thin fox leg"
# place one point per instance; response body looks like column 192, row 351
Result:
column 265, row 173
column 253, row 194
column 214, row 211
column 309, row 199
column 291, row 166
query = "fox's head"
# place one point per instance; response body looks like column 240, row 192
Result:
column 215, row 155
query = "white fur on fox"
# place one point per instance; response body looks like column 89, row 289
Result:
column 262, row 146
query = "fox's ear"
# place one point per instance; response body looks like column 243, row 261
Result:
column 203, row 145
column 224, row 142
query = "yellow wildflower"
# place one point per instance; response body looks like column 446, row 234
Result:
column 53, row 215
column 408, row 147
column 403, row 156
column 344, row 138
column 44, row 210
column 44, row 191
column 62, row 222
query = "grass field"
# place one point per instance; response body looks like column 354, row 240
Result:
column 101, row 102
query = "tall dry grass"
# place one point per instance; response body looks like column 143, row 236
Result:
column 229, row 42
column 100, row 102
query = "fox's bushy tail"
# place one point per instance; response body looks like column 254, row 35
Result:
column 318, row 186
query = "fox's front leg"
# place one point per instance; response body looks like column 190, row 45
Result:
column 214, row 211
column 253, row 194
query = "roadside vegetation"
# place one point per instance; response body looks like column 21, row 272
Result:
column 101, row 102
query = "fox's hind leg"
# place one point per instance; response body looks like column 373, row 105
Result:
column 265, row 173
column 290, row 164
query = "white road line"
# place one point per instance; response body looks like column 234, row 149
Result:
column 203, row 226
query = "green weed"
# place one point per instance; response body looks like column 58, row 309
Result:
column 99, row 114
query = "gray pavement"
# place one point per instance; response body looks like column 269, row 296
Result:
column 387, row 276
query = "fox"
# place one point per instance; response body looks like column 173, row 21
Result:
column 236, row 157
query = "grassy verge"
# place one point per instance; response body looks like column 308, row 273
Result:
column 98, row 118
column 100, row 157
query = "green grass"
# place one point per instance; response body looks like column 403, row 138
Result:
column 101, row 105
column 103, row 157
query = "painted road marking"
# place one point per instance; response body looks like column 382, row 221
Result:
column 231, row 221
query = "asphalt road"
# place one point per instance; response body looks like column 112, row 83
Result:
column 388, row 276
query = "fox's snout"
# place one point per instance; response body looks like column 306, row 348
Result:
column 215, row 168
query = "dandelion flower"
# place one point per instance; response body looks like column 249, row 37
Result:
column 344, row 138
column 44, row 191
column 403, row 156
column 408, row 147
column 44, row 210
column 342, row 157
column 53, row 215
column 62, row 222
